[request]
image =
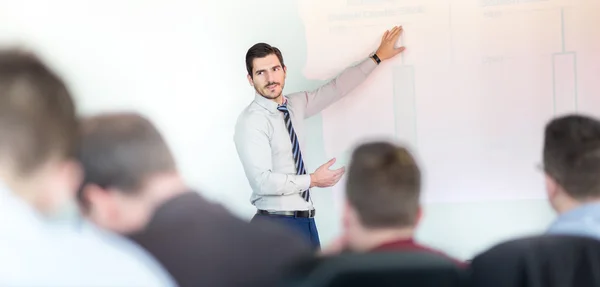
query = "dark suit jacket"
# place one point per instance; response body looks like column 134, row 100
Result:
column 202, row 244
column 540, row 261
column 381, row 268
column 409, row 244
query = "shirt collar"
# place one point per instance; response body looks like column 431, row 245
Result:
column 269, row 105
column 583, row 211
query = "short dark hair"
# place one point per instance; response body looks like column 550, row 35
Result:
column 384, row 185
column 261, row 50
column 572, row 154
column 38, row 118
column 121, row 150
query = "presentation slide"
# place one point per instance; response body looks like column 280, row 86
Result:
column 472, row 92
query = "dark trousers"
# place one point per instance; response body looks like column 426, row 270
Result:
column 304, row 227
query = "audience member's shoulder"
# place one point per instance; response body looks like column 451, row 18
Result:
column 516, row 245
column 64, row 256
column 502, row 252
column 192, row 210
column 187, row 206
column 515, row 250
column 114, row 258
column 446, row 256
column 541, row 243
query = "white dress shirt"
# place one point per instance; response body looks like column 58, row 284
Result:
column 264, row 147
column 35, row 252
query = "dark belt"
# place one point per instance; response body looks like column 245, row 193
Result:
column 298, row 213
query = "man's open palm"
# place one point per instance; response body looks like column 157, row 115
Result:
column 325, row 177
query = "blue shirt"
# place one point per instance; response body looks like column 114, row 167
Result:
column 581, row 221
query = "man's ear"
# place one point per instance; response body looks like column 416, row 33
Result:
column 419, row 215
column 95, row 197
column 250, row 80
column 552, row 187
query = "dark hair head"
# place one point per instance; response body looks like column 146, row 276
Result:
column 38, row 118
column 261, row 50
column 122, row 151
column 572, row 155
column 384, row 185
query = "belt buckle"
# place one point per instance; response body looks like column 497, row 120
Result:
column 308, row 213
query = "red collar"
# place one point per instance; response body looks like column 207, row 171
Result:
column 404, row 243
column 409, row 244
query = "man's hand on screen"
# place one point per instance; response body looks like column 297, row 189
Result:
column 387, row 49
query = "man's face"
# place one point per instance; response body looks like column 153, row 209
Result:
column 268, row 77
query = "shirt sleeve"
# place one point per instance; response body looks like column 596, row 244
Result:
column 317, row 100
column 254, row 150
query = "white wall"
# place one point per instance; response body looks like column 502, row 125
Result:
column 182, row 63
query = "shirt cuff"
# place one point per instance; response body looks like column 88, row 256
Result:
column 367, row 65
column 303, row 181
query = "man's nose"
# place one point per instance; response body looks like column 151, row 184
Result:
column 269, row 77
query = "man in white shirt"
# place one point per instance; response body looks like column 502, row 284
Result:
column 38, row 178
column 269, row 133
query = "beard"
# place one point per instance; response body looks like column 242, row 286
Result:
column 267, row 94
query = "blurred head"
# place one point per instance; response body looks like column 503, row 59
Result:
column 128, row 171
column 266, row 70
column 38, row 133
column 572, row 161
column 382, row 191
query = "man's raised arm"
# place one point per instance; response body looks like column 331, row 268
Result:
column 317, row 100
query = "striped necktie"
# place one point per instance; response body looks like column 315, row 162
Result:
column 295, row 146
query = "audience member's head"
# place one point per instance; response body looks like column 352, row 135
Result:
column 383, row 189
column 38, row 133
column 572, row 161
column 128, row 171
